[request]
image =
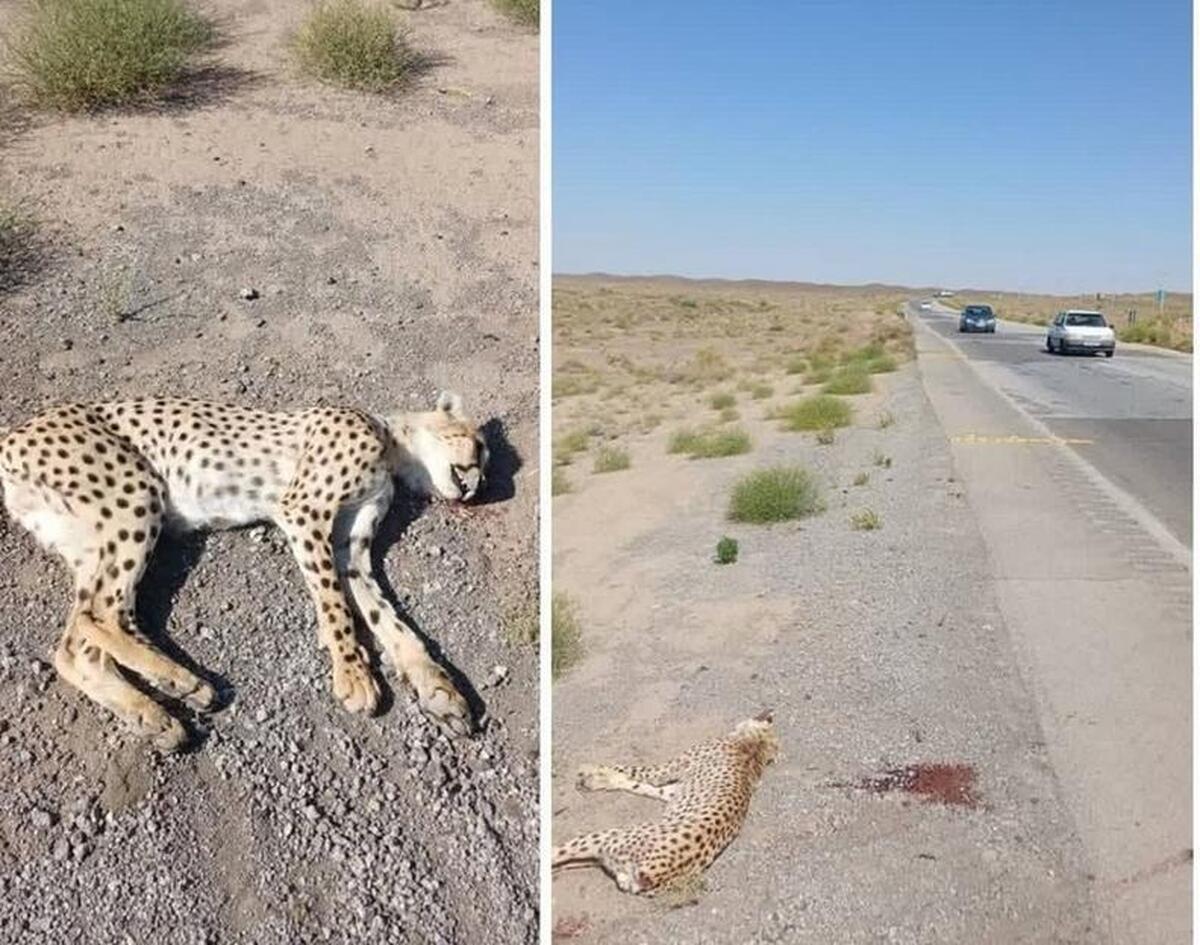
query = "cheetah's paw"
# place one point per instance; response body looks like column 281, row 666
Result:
column 592, row 778
column 201, row 698
column 439, row 700
column 165, row 732
column 354, row 684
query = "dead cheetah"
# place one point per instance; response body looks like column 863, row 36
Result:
column 97, row 482
column 707, row 790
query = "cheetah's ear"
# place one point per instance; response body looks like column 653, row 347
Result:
column 449, row 402
column 766, row 715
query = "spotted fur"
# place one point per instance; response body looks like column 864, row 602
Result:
column 96, row 483
column 707, row 791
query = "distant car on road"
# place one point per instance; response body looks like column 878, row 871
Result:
column 977, row 318
column 1078, row 330
column 926, row 305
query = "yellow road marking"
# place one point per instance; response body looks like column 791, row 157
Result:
column 1014, row 439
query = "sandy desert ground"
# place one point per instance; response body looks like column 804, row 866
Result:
column 870, row 629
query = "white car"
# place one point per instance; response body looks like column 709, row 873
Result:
column 926, row 306
column 1078, row 330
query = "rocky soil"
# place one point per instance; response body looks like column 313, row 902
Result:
column 270, row 242
column 913, row 800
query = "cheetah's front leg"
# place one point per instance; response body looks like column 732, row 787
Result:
column 312, row 544
column 656, row 781
column 436, row 694
column 610, row 778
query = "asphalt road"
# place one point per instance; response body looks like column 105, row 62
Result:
column 1093, row 582
column 1130, row 416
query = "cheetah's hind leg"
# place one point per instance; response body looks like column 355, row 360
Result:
column 93, row 671
column 613, row 850
column 106, row 540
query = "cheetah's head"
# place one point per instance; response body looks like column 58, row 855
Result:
column 447, row 451
column 759, row 738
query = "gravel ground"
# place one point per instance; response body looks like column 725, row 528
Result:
column 277, row 244
column 876, row 649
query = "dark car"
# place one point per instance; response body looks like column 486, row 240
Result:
column 977, row 318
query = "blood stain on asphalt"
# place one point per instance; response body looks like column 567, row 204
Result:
column 937, row 783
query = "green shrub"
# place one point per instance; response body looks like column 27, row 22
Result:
column 707, row 366
column 521, row 624
column 727, row 551
column 826, row 436
column 728, row 415
column 559, row 483
column 84, row 54
column 611, row 459
column 355, row 45
column 525, row 12
column 816, row 412
column 868, row 352
column 1160, row 331
column 884, row 364
column 796, row 366
column 849, row 380
column 722, row 401
column 566, row 637
column 683, row 441
column 762, row 391
column 775, row 494
column 866, row 521
column 567, row 445
column 710, row 444
column 565, row 384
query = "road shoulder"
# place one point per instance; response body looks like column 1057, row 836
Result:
column 1099, row 605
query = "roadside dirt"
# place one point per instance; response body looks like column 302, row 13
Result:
column 390, row 245
column 913, row 800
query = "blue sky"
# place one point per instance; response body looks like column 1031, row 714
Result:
column 1039, row 145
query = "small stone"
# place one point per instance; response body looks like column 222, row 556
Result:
column 249, row 294
column 67, row 344
column 41, row 819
